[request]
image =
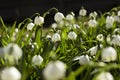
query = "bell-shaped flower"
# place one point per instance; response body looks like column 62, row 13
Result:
column 12, row 52
column 69, row 17
column 72, row 35
column 92, row 23
column 100, row 37
column 10, row 73
column 104, row 76
column 82, row 12
column 30, row 26
column 54, row 25
column 93, row 50
column 109, row 21
column 116, row 40
column 83, row 60
column 93, row 15
column 37, row 60
column 109, row 54
column 38, row 20
column 59, row 17
column 55, row 70
column 118, row 13
column 56, row 37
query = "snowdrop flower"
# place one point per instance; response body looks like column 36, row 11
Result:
column 116, row 40
column 69, row 17
column 30, row 26
column 93, row 14
column 116, row 31
column 39, row 20
column 56, row 37
column 100, row 37
column 93, row 50
column 37, row 60
column 109, row 54
column 82, row 12
column 83, row 60
column 12, row 51
column 104, row 76
column 118, row 13
column 109, row 21
column 55, row 70
column 10, row 73
column 92, row 23
column 116, row 18
column 59, row 17
column 72, row 35
column 54, row 25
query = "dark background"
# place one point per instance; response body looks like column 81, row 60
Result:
column 11, row 10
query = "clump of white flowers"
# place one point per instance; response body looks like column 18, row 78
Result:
column 109, row 21
column 92, row 23
column 82, row 12
column 72, row 35
column 30, row 26
column 104, row 76
column 12, row 52
column 59, row 17
column 100, row 37
column 83, row 60
column 109, row 54
column 56, row 37
column 38, row 20
column 10, row 73
column 55, row 70
column 37, row 60
column 116, row 40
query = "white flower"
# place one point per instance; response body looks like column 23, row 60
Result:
column 72, row 35
column 54, row 25
column 56, row 37
column 92, row 23
column 104, row 76
column 116, row 40
column 109, row 21
column 116, row 18
column 12, row 51
column 59, row 17
column 55, row 70
column 82, row 12
column 100, row 37
column 69, row 17
column 76, row 26
column 118, row 13
column 83, row 60
column 30, row 26
column 37, row 60
column 48, row 37
column 93, row 50
column 10, row 73
column 109, row 54
column 93, row 14
column 39, row 20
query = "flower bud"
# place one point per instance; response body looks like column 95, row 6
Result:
column 55, row 70
column 56, row 37
column 69, row 17
column 72, row 35
column 93, row 50
column 54, row 25
column 30, row 26
column 58, row 17
column 38, row 20
column 10, row 73
column 109, row 54
column 37, row 60
column 104, row 76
